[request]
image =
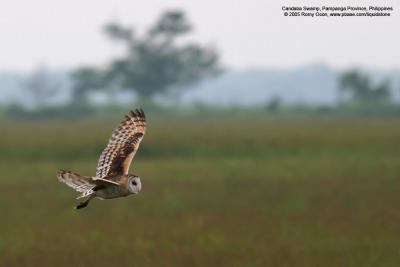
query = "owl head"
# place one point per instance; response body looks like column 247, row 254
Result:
column 134, row 185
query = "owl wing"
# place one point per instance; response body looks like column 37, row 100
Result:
column 122, row 146
column 82, row 183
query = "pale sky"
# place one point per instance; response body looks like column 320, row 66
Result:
column 249, row 33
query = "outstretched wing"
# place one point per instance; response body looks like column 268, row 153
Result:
column 82, row 183
column 122, row 146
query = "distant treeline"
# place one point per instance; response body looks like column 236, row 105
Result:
column 159, row 62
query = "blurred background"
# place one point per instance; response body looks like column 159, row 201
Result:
column 272, row 140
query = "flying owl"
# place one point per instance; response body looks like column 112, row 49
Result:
column 112, row 179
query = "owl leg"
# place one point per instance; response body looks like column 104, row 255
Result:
column 83, row 203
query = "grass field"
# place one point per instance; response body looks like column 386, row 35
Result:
column 227, row 192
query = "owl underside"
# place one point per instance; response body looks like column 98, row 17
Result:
column 91, row 187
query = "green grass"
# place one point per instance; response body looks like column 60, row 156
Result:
column 229, row 192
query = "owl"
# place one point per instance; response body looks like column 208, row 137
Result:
column 112, row 179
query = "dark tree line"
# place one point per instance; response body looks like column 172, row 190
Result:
column 360, row 88
column 154, row 62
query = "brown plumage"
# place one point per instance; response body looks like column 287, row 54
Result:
column 122, row 146
column 112, row 179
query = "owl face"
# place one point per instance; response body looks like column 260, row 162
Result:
column 134, row 184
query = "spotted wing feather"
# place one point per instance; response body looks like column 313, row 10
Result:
column 78, row 182
column 82, row 183
column 122, row 146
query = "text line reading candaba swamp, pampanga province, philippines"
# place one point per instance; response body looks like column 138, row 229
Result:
column 337, row 8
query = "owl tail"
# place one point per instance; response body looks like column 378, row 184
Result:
column 80, row 183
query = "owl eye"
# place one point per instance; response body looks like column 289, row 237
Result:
column 134, row 183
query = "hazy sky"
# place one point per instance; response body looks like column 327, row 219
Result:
column 249, row 33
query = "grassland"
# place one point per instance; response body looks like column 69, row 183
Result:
column 229, row 192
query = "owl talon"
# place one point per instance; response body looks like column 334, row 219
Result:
column 81, row 205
